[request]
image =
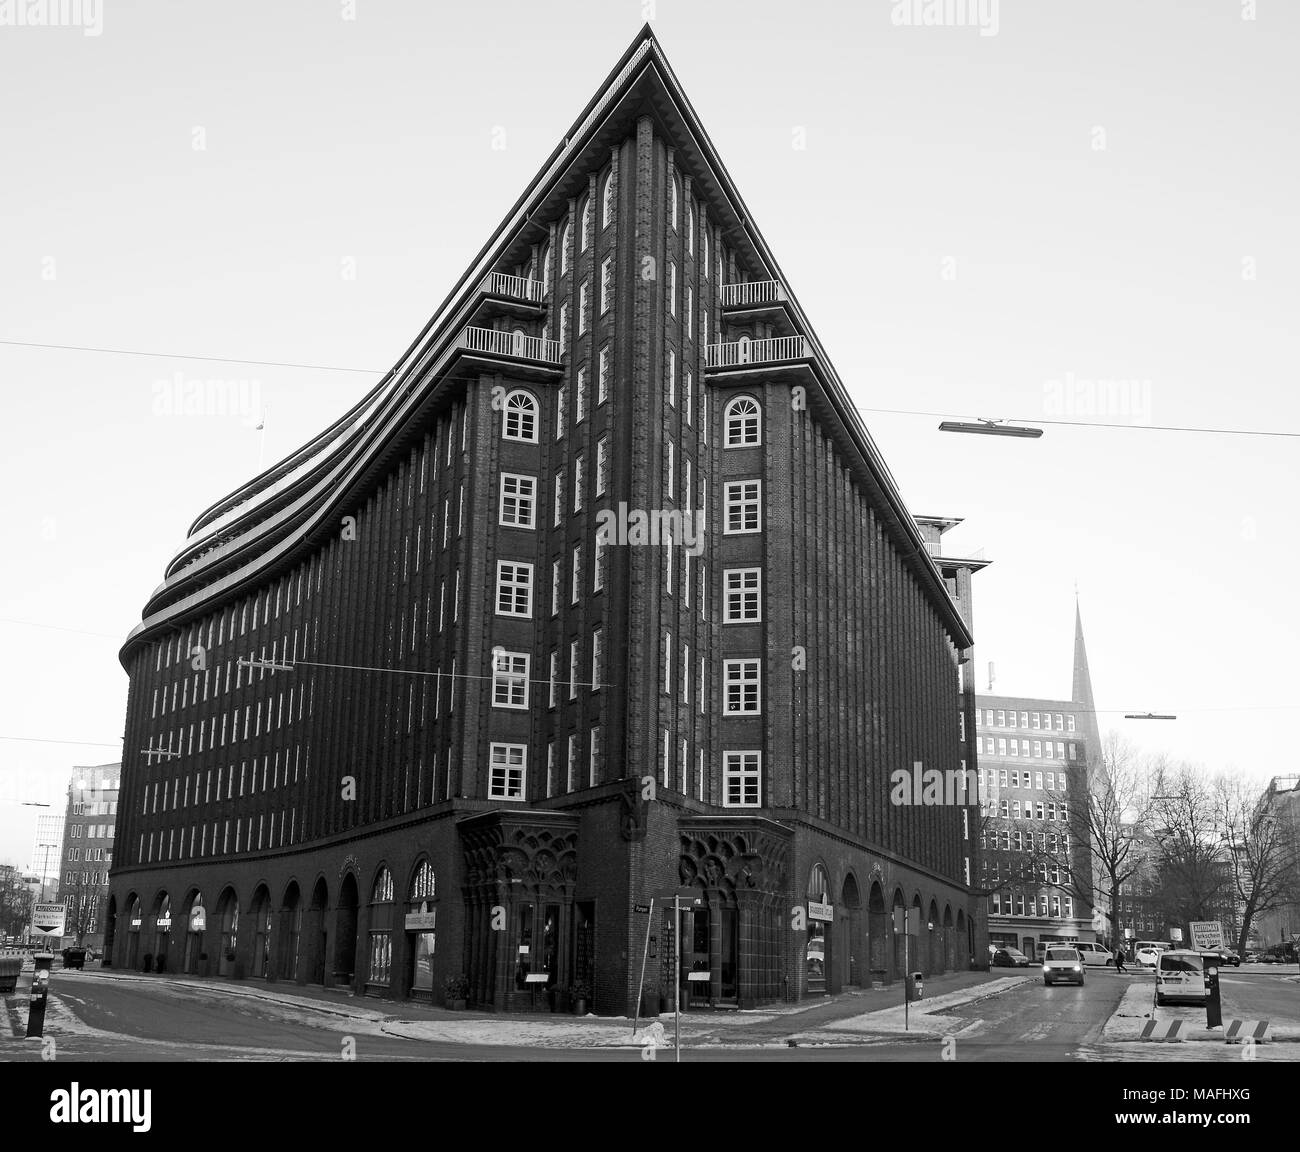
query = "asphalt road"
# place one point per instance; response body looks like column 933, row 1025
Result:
column 128, row 1020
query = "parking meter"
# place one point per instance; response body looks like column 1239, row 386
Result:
column 1213, row 1005
column 40, row 994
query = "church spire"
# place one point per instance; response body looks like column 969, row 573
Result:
column 1081, row 688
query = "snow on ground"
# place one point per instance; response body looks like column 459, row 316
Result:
column 926, row 1016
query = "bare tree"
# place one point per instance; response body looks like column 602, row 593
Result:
column 15, row 901
column 1195, row 872
column 1263, row 848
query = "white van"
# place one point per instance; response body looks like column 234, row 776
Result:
column 1094, row 955
column 1180, row 975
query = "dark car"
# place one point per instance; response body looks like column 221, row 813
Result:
column 1009, row 958
column 1224, row 957
column 74, row 957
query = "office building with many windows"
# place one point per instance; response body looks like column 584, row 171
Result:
column 1034, row 774
column 603, row 593
column 89, row 828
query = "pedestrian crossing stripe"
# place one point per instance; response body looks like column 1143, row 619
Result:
column 1170, row 1030
column 1256, row 1030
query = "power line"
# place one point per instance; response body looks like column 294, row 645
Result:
column 890, row 411
column 187, row 356
column 40, row 740
column 58, row 628
column 413, row 672
column 1091, row 423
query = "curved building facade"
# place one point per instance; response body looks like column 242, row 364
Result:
column 603, row 593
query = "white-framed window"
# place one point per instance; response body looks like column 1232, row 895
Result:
column 557, row 500
column 742, row 779
column 742, row 687
column 704, row 248
column 673, row 195
column 1034, row 719
column 670, row 478
column 1002, row 749
column 742, row 600
column 566, row 242
column 573, row 669
column 555, row 587
column 690, row 229
column 518, row 501
column 668, row 662
column 688, row 393
column 561, row 410
column 509, row 679
column 602, row 464
column 1013, row 747
column 563, row 334
column 1038, row 748
column 607, row 200
column 742, row 423
column 606, row 284
column 597, row 658
column 519, row 417
column 553, row 680
column 600, row 557
column 670, row 379
column 585, row 238
column 672, row 288
column 514, row 588
column 583, row 304
column 580, row 397
column 506, row 781
column 1069, row 723
column 579, row 464
column 1074, row 751
column 546, row 271
column 550, row 768
column 1060, row 722
column 602, row 374
column 595, row 758
column 743, row 506
column 576, row 589
column 1002, row 719
column 571, row 763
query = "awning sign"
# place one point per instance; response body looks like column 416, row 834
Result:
column 47, row 919
column 198, row 918
column 820, row 911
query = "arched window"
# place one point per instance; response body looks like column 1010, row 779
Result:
column 607, row 201
column 742, row 419
column 704, row 249
column 690, row 229
column 421, row 925
column 381, row 929
column 519, row 417
column 546, row 270
column 566, row 241
column 674, row 195
column 585, row 237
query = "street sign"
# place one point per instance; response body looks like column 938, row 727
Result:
column 818, row 911
column 643, row 908
column 1207, row 935
column 1176, row 935
column 685, row 895
column 47, row 920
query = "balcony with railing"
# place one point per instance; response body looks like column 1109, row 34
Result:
column 513, row 287
column 738, row 353
column 753, row 294
column 516, row 345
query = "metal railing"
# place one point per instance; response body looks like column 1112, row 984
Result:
column 510, row 344
column 517, row 287
column 756, row 351
column 754, row 292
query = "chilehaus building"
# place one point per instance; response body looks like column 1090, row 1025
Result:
column 604, row 593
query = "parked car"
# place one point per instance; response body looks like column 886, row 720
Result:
column 1009, row 958
column 1180, row 975
column 1147, row 952
column 1252, row 957
column 1094, row 955
column 1062, row 964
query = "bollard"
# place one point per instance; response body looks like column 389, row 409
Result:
column 39, row 994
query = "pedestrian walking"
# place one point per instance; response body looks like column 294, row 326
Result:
column 1119, row 959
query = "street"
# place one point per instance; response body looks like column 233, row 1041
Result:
column 1002, row 1016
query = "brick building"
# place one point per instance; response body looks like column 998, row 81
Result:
column 1034, row 783
column 603, row 592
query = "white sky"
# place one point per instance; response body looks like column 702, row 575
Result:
column 371, row 141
